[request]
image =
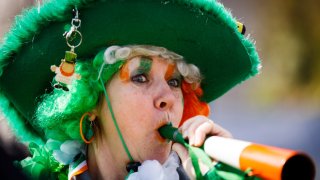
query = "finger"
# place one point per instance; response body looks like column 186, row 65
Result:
column 203, row 167
column 185, row 159
column 189, row 122
column 181, row 151
column 193, row 127
column 220, row 131
column 202, row 131
column 184, row 128
column 186, row 125
column 191, row 132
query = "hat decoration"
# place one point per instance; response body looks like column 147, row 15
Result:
column 65, row 72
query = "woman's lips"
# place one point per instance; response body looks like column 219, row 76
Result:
column 161, row 123
column 159, row 137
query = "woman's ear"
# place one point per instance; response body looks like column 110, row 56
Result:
column 93, row 114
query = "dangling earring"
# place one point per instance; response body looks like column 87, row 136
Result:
column 84, row 116
column 65, row 72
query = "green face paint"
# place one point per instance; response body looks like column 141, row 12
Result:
column 145, row 65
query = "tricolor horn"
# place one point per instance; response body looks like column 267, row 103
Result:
column 266, row 162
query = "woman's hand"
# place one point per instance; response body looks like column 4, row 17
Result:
column 196, row 129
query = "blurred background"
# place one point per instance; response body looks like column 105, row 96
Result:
column 280, row 106
column 12, row 148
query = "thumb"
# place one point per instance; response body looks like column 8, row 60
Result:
column 185, row 159
column 181, row 151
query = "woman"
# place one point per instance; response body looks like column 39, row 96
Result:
column 146, row 93
column 123, row 94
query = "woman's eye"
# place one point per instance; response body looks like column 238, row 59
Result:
column 174, row 82
column 140, row 78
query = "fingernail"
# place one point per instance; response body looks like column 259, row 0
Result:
column 196, row 140
column 185, row 134
column 191, row 141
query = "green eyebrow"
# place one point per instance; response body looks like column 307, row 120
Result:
column 145, row 65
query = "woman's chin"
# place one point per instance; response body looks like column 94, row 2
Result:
column 161, row 154
column 156, row 149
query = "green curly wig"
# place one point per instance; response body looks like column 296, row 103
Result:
column 59, row 112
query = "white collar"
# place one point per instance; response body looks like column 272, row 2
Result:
column 152, row 169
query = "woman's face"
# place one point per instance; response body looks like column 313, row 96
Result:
column 145, row 95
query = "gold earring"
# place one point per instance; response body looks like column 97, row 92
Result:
column 81, row 132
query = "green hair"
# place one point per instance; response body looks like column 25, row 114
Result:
column 59, row 112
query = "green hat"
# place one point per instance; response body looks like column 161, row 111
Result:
column 200, row 30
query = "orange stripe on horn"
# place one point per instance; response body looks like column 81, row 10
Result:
column 265, row 161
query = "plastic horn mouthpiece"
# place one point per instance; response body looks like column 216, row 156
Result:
column 171, row 133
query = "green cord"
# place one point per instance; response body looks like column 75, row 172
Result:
column 195, row 153
column 131, row 171
column 115, row 122
column 195, row 163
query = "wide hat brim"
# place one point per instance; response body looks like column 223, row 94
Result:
column 201, row 31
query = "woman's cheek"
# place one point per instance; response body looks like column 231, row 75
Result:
column 179, row 113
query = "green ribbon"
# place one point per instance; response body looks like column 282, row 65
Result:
column 115, row 122
column 42, row 164
column 220, row 171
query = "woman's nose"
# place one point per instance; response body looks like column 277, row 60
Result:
column 164, row 99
